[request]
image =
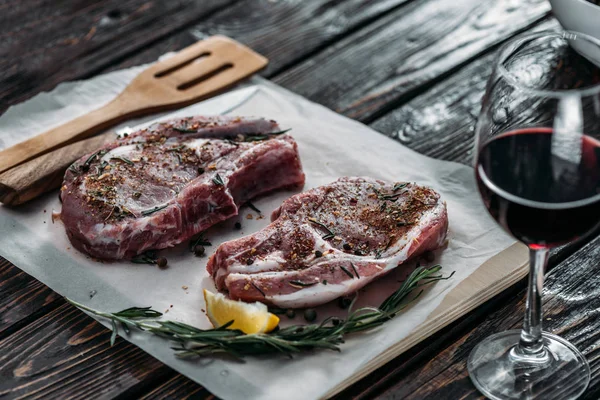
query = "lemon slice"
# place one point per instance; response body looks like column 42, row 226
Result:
column 247, row 317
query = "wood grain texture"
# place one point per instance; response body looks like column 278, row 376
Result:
column 175, row 82
column 441, row 121
column 178, row 387
column 100, row 371
column 64, row 354
column 571, row 304
column 288, row 31
column 285, row 31
column 22, row 298
column 375, row 69
column 44, row 42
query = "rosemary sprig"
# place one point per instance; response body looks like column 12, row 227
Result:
column 73, row 169
column 181, row 147
column 391, row 197
column 100, row 168
column 347, row 272
column 184, row 129
column 329, row 334
column 91, row 158
column 355, row 271
column 259, row 289
column 147, row 257
column 399, row 186
column 124, row 159
column 253, row 207
column 387, row 246
column 218, row 180
column 300, row 284
column 329, row 233
column 255, row 137
column 200, row 240
column 153, row 210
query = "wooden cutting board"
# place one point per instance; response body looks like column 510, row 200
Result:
column 497, row 274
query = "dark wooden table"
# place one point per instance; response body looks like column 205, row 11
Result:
column 413, row 69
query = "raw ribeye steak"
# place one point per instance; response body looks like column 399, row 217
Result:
column 161, row 185
column 331, row 241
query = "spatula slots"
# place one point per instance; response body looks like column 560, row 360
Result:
column 174, row 82
column 197, row 72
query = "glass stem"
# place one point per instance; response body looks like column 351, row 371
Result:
column 531, row 343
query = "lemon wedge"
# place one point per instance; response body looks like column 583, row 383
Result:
column 247, row 317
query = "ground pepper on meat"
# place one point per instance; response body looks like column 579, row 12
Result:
column 342, row 211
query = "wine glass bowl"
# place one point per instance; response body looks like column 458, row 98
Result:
column 537, row 168
column 581, row 16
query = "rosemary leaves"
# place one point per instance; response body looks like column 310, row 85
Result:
column 153, row 210
column 147, row 257
column 257, row 137
column 253, row 207
column 329, row 334
column 199, row 240
column 218, row 180
column 124, row 159
column 184, row 129
column 329, row 234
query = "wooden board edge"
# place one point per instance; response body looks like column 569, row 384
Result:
column 468, row 295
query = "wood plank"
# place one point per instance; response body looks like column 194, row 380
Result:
column 289, row 31
column 283, row 31
column 377, row 68
column 22, row 298
column 66, row 354
column 571, row 305
column 441, row 122
column 169, row 43
column 178, row 387
column 46, row 42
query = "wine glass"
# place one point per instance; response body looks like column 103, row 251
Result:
column 538, row 172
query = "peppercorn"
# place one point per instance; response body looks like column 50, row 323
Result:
column 310, row 314
column 347, row 246
column 250, row 261
column 199, row 250
column 290, row 313
column 200, row 170
column 162, row 262
column 318, row 254
column 344, row 302
column 238, row 225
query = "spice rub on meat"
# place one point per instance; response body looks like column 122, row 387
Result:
column 161, row 185
column 331, row 241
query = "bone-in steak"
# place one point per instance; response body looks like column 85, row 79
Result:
column 159, row 186
column 331, row 241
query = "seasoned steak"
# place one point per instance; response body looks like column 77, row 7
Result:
column 159, row 186
column 331, row 241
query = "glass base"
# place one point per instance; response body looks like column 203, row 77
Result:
column 500, row 373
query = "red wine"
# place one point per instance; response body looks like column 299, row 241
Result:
column 541, row 199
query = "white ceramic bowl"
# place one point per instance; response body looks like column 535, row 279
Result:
column 580, row 16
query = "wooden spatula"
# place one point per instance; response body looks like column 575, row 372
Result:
column 45, row 173
column 177, row 81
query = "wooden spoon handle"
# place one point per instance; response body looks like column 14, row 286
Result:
column 82, row 127
column 40, row 175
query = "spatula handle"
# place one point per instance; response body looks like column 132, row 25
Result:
column 40, row 175
column 82, row 127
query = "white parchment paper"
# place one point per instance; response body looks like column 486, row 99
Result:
column 330, row 146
